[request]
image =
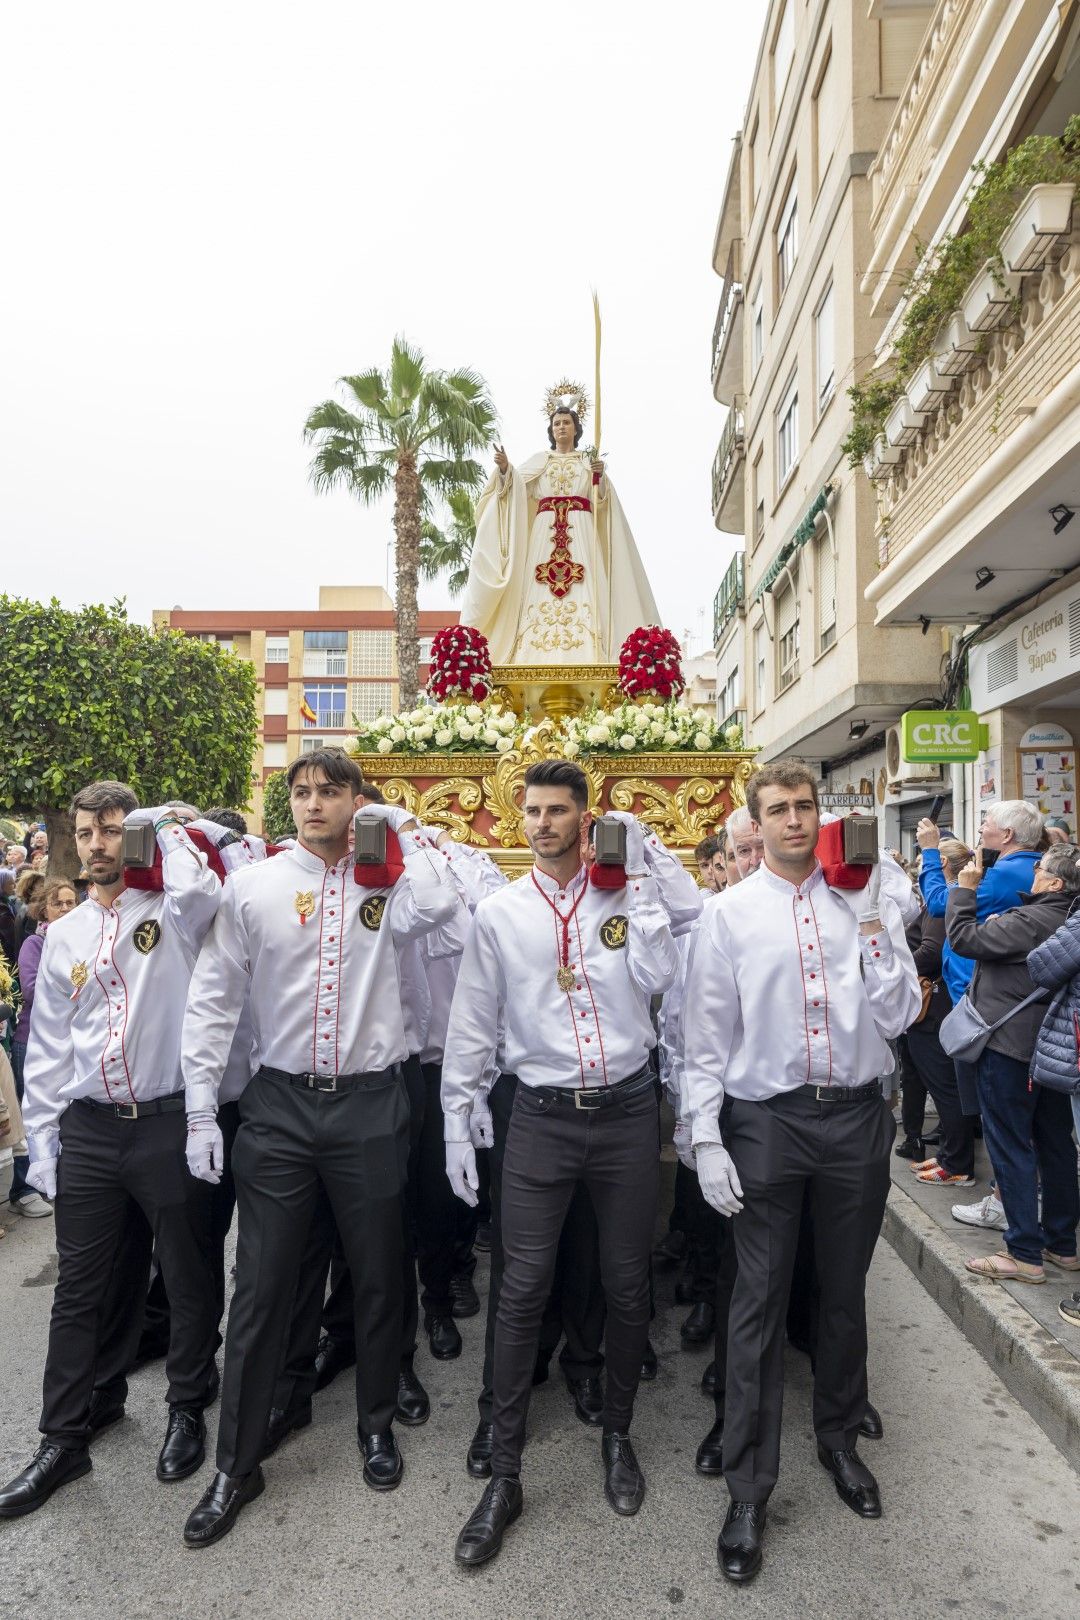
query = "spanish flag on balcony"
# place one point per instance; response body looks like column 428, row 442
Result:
column 307, row 713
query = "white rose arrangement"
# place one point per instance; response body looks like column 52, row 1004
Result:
column 642, row 728
column 442, row 728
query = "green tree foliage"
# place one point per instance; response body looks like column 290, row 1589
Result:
column 88, row 695
column 450, row 548
column 277, row 816
column 414, row 431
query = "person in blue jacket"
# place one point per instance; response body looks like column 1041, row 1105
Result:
column 1015, row 830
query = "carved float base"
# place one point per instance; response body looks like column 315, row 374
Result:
column 478, row 796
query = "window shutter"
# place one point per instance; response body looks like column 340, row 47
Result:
column 900, row 40
column 826, row 588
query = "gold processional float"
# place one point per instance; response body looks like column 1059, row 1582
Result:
column 556, row 594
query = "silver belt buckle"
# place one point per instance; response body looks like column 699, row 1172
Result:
column 322, row 1082
column 126, row 1110
column 579, row 1099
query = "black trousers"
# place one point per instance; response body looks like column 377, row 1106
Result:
column 110, row 1172
column 575, row 1308
column 552, row 1148
column 956, row 1151
column 913, row 1091
column 444, row 1224
column 335, row 1312
column 138, row 1283
column 352, row 1144
column 780, row 1147
column 705, row 1234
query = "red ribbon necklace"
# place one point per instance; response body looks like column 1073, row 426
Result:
column 564, row 978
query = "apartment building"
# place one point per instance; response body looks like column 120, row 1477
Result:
column 317, row 668
column 800, row 659
column 978, row 468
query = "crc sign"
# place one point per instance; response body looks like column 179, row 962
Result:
column 940, row 737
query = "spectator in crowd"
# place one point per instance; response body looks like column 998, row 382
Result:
column 29, row 892
column 1058, row 830
column 16, row 857
column 748, row 847
column 1025, row 1126
column 55, row 900
column 9, row 916
column 705, row 854
column 1013, row 829
column 954, row 1164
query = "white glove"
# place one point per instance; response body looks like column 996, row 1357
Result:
column 461, row 1168
column 215, row 832
column 153, row 814
column 867, row 899
column 42, row 1177
column 718, row 1178
column 481, row 1124
column 635, row 841
column 205, row 1146
column 392, row 814
column 683, row 1149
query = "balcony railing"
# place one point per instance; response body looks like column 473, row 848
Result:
column 725, row 371
column 730, row 598
column 727, row 482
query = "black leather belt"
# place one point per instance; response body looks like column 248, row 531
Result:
column 592, row 1097
column 139, row 1110
column 844, row 1094
column 372, row 1079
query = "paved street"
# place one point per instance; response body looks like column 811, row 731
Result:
column 981, row 1510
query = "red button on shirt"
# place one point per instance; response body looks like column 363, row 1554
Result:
column 813, row 975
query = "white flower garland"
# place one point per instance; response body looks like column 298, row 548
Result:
column 488, row 727
column 442, row 728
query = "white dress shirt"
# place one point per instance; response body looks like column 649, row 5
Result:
column 594, row 1034
column 475, row 876
column 782, row 990
column 316, row 952
column 110, row 993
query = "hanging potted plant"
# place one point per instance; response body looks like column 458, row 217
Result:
column 1044, row 216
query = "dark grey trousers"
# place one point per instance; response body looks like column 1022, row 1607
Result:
column 551, row 1149
column 353, row 1144
column 841, row 1151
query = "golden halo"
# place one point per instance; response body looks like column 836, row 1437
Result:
column 567, row 396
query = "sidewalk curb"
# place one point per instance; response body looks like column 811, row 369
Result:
column 1042, row 1375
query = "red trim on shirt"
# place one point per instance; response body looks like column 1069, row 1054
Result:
column 824, row 988
column 123, row 1027
column 97, row 976
column 797, row 901
column 318, row 978
column 592, row 998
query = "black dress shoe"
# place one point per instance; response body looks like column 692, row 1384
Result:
column 283, row 1421
column 910, row 1148
column 413, row 1406
column 332, row 1357
column 478, row 1456
column 709, row 1459
column 624, row 1483
column 103, row 1412
column 871, row 1426
column 588, row 1394
column 649, row 1364
column 443, row 1337
column 466, row 1301
column 700, row 1325
column 482, row 1533
column 738, row 1550
column 51, row 1467
column 482, row 1240
column 855, row 1484
column 218, row 1508
column 184, row 1448
column 383, row 1462
column 709, row 1379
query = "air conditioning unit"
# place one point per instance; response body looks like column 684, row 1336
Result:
column 899, row 773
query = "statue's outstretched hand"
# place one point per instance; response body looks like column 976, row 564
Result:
column 501, row 460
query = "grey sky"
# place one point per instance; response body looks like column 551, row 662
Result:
column 214, row 210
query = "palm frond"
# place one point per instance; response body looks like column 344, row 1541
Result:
column 442, row 477
column 369, row 389
column 330, row 417
column 408, row 371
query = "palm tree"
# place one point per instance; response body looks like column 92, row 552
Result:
column 450, row 548
column 413, row 430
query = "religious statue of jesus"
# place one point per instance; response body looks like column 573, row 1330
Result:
column 555, row 576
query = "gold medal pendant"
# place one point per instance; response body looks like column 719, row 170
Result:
column 565, row 977
column 305, row 905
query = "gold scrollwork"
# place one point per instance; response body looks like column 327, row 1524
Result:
column 503, row 789
column 435, row 808
column 740, row 775
column 671, row 812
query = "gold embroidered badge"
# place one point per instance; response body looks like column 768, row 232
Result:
column 146, row 937
column 613, row 933
column 371, row 912
column 305, row 904
column 79, row 975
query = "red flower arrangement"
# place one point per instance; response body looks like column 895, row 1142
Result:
column 460, row 664
column 649, row 662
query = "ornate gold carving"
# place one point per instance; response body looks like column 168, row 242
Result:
column 741, row 773
column 671, row 812
column 435, row 808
